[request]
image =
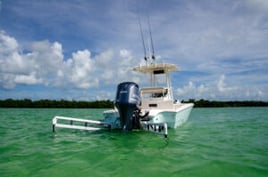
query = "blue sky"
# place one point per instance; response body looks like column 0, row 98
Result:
column 82, row 49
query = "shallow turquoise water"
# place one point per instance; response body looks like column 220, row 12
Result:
column 213, row 142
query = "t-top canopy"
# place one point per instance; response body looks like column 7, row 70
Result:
column 156, row 68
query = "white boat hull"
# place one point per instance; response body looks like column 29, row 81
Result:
column 173, row 117
column 112, row 117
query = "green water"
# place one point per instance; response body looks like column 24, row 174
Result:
column 213, row 142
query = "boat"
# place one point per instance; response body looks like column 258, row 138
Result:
column 157, row 102
column 151, row 108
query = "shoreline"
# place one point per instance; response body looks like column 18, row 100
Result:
column 27, row 103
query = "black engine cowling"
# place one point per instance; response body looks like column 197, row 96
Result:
column 127, row 101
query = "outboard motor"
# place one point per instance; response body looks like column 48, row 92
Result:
column 127, row 101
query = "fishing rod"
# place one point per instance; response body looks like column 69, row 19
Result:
column 151, row 38
column 143, row 43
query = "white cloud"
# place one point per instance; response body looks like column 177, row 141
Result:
column 219, row 90
column 221, row 85
column 10, row 60
column 79, row 70
column 35, row 67
column 45, row 64
column 8, row 44
column 192, row 91
column 27, row 79
column 7, row 81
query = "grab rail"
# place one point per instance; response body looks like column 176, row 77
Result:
column 94, row 125
column 89, row 125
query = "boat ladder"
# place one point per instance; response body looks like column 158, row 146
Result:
column 158, row 128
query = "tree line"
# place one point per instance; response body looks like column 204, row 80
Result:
column 208, row 103
column 27, row 103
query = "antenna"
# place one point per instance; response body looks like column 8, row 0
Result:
column 151, row 38
column 143, row 44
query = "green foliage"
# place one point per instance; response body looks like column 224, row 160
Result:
column 26, row 103
column 207, row 103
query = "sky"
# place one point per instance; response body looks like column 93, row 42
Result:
column 81, row 50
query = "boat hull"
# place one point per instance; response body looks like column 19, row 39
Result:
column 112, row 117
column 173, row 118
